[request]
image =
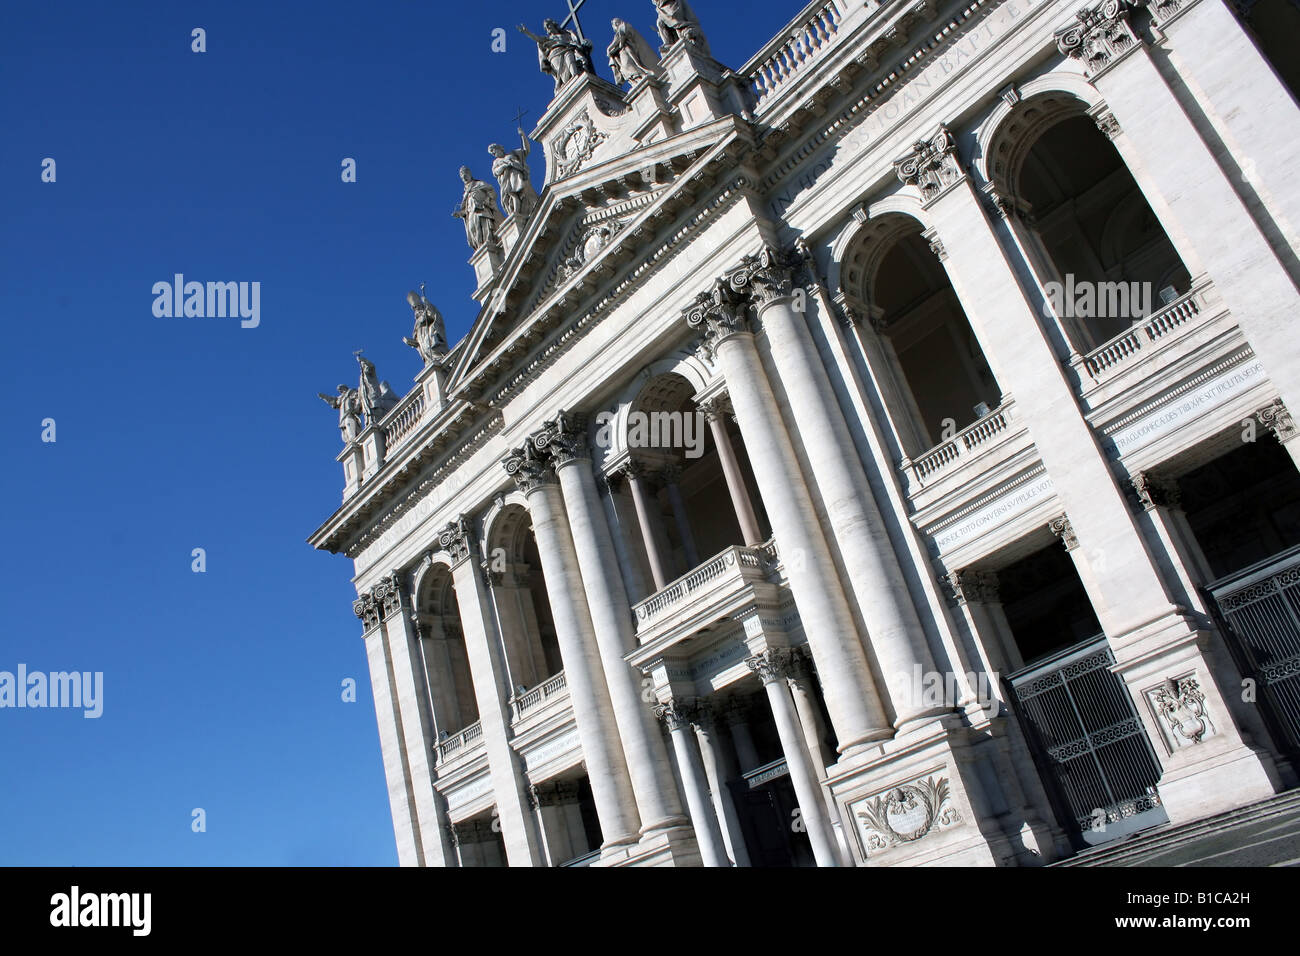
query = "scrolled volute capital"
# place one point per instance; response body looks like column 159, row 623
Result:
column 563, row 438
column 771, row 665
column 1099, row 34
column 456, row 539
column 932, row 165
column 529, row 466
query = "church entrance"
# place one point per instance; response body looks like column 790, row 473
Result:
column 769, row 817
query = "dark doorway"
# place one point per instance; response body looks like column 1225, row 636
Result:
column 1045, row 603
column 768, row 811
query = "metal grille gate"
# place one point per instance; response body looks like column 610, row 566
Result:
column 1259, row 608
column 1089, row 742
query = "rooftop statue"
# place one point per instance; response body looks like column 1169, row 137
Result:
column 430, row 335
column 561, row 53
column 518, row 198
column 348, row 403
column 478, row 207
column 377, row 398
column 630, row 55
column 678, row 22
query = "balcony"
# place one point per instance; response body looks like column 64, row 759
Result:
column 962, row 449
column 461, row 743
column 801, row 41
column 719, row 586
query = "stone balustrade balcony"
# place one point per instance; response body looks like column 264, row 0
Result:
column 716, row 588
column 461, row 745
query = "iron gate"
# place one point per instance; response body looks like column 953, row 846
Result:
column 1089, row 742
column 1259, row 608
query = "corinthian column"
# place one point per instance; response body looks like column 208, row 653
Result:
column 416, row 721
column 893, row 626
column 565, row 439
column 851, row 695
column 593, row 712
column 491, row 691
column 677, row 715
column 772, row 668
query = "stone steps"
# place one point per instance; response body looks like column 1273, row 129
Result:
column 1140, row 846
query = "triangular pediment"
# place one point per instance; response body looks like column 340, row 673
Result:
column 586, row 226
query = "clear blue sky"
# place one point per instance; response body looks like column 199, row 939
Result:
column 222, row 689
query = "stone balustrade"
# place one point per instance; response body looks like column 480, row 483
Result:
column 401, row 421
column 792, row 49
column 543, row 693
column 962, row 446
column 462, row 740
column 734, row 566
column 1103, row 361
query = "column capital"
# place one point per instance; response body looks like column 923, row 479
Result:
column 368, row 610
column 456, row 539
column 1156, row 491
column 932, row 165
column 564, row 437
column 971, row 586
column 1099, row 36
column 529, row 466
column 1277, row 419
column 677, row 712
column 771, row 665
column 1062, row 528
column 380, row 602
column 716, row 408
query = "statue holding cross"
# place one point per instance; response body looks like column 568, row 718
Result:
column 561, row 53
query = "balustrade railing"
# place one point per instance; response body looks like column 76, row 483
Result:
column 460, row 740
column 402, row 420
column 534, row 698
column 1102, row 360
column 757, row 559
column 793, row 48
column 964, row 444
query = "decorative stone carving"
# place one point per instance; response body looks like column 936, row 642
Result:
column 630, row 54
column 388, row 594
column 1180, row 704
column 932, row 166
column 676, row 21
column 456, row 539
column 1277, row 419
column 529, row 467
column 718, row 314
column 1156, row 491
column 377, row 398
column 905, row 814
column 561, row 55
column 348, row 403
column 478, row 208
column 575, row 144
column 677, row 713
column 1062, row 528
column 430, row 335
column 366, row 608
column 597, row 237
column 564, row 438
column 1107, row 123
column 767, row 275
column 771, row 665
column 1098, row 36
column 971, row 586
column 510, row 167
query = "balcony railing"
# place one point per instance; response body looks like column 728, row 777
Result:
column 792, row 49
column 547, row 690
column 963, row 445
column 401, row 421
column 734, row 560
column 460, row 741
column 1102, row 361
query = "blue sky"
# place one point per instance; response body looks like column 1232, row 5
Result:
column 222, row 690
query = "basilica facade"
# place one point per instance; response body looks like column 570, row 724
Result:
column 876, row 454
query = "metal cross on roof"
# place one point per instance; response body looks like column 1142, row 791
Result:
column 573, row 15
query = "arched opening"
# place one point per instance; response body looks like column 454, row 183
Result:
column 446, row 661
column 520, row 601
column 935, row 376
column 1107, row 260
column 689, row 468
